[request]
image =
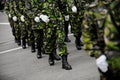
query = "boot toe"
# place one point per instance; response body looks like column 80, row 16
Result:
column 24, row 47
column 39, row 56
column 67, row 40
column 78, row 47
column 33, row 51
column 51, row 63
column 67, row 67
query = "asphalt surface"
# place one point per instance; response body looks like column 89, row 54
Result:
column 20, row 64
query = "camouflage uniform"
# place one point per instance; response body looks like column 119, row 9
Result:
column 17, row 21
column 112, row 41
column 10, row 13
column 28, row 21
column 37, row 26
column 93, row 30
column 76, row 21
column 54, row 33
column 101, row 36
column 63, row 6
column 24, row 34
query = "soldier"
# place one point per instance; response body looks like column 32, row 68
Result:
column 37, row 27
column 76, row 18
column 100, row 39
column 63, row 6
column 24, row 34
column 9, row 11
column 54, row 33
column 112, row 42
column 28, row 21
column 16, row 19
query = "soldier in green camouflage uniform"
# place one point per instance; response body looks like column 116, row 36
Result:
column 54, row 33
column 21, row 8
column 101, row 37
column 76, row 19
column 16, row 19
column 63, row 5
column 93, row 26
column 28, row 21
column 9, row 11
column 112, row 40
column 36, row 26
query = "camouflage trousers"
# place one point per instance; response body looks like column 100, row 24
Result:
column 38, row 38
column 76, row 24
column 17, row 29
column 54, row 38
column 24, row 33
column 12, row 25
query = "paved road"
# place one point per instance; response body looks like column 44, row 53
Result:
column 20, row 64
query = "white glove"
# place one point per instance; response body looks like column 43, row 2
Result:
column 22, row 18
column 37, row 19
column 102, row 63
column 45, row 18
column 67, row 18
column 9, row 15
column 14, row 18
column 74, row 9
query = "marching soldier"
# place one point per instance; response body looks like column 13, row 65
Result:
column 28, row 21
column 63, row 6
column 76, row 18
column 9, row 11
column 100, row 35
column 54, row 33
column 21, row 7
column 37, row 27
column 112, row 41
column 16, row 19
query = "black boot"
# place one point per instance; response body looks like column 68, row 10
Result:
column 15, row 40
column 39, row 55
column 19, row 42
column 23, row 43
column 67, row 39
column 65, row 64
column 33, row 47
column 66, row 31
column 78, row 43
column 51, row 59
column 56, row 57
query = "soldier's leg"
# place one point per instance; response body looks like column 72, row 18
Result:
column 17, row 33
column 13, row 29
column 32, row 41
column 66, row 28
column 63, row 50
column 51, row 46
column 78, row 41
column 39, row 42
column 23, row 34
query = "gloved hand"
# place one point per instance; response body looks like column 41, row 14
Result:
column 102, row 63
column 37, row 19
column 67, row 18
column 44, row 18
column 14, row 18
column 22, row 18
column 74, row 9
column 9, row 15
